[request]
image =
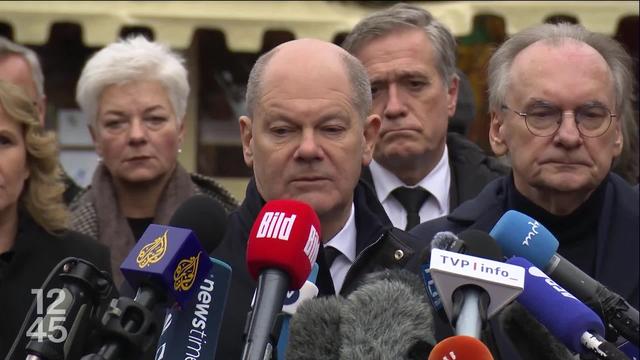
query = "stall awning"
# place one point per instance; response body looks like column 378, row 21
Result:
column 244, row 22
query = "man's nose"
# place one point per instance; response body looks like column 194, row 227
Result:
column 568, row 134
column 395, row 107
column 308, row 148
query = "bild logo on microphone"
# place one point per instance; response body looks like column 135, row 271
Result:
column 275, row 225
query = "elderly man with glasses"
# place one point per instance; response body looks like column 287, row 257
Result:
column 558, row 95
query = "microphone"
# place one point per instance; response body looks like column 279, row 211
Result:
column 473, row 289
column 476, row 243
column 281, row 249
column 293, row 299
column 205, row 216
column 386, row 317
column 164, row 265
column 568, row 319
column 61, row 331
column 192, row 330
column 520, row 235
column 460, row 347
column 315, row 330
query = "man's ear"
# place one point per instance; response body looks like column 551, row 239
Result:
column 246, row 135
column 497, row 134
column 370, row 133
column 619, row 139
column 94, row 137
column 452, row 95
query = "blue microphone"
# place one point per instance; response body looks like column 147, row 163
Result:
column 566, row 317
column 520, row 235
column 291, row 303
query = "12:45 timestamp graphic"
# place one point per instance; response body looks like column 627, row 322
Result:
column 48, row 324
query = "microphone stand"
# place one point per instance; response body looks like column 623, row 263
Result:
column 129, row 327
column 85, row 287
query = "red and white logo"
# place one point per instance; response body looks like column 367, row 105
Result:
column 313, row 245
column 275, row 225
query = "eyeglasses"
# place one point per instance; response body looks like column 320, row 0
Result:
column 592, row 120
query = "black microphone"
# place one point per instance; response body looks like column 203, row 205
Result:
column 70, row 318
column 385, row 317
column 205, row 216
column 520, row 235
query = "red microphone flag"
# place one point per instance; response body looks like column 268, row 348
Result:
column 286, row 236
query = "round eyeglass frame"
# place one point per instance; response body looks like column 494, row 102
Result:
column 524, row 116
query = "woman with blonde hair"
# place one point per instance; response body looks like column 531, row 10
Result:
column 33, row 218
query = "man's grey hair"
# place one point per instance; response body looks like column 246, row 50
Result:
column 404, row 16
column 617, row 59
column 613, row 53
column 8, row 47
column 130, row 60
column 361, row 97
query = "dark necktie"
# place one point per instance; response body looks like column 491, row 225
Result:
column 412, row 200
column 330, row 254
column 326, row 256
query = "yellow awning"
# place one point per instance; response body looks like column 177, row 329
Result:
column 244, row 22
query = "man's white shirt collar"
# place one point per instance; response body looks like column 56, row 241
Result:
column 437, row 182
column 345, row 241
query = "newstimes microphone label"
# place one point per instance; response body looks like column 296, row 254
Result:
column 191, row 332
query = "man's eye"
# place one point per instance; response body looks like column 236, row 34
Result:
column 280, row 131
column 416, row 84
column 333, row 129
column 593, row 113
column 543, row 112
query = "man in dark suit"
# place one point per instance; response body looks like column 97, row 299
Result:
column 307, row 135
column 557, row 95
column 419, row 171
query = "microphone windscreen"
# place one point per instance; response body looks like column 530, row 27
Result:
column 315, row 330
column 480, row 244
column 460, row 347
column 285, row 236
column 203, row 215
column 443, row 240
column 566, row 317
column 387, row 317
column 520, row 235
